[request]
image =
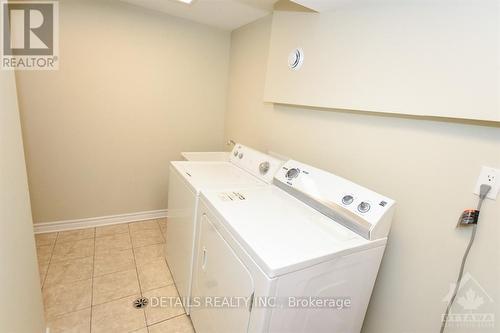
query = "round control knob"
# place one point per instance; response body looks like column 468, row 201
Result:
column 347, row 200
column 235, row 153
column 264, row 167
column 292, row 173
column 240, row 156
column 364, row 207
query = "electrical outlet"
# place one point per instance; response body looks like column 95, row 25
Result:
column 491, row 177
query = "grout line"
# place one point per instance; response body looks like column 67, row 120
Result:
column 115, row 299
column 120, row 271
column 50, row 260
column 92, row 283
column 138, row 279
column 69, row 313
column 66, row 282
column 176, row 316
column 161, row 287
column 109, row 301
column 116, row 233
column 161, row 231
column 137, row 247
column 62, row 240
column 74, row 240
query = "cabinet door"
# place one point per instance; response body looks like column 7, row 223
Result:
column 219, row 274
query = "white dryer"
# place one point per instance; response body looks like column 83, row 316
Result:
column 246, row 168
column 302, row 255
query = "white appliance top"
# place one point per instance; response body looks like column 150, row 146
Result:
column 313, row 216
column 281, row 233
column 214, row 175
column 206, row 156
column 247, row 167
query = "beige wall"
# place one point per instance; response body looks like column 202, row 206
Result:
column 404, row 57
column 428, row 165
column 134, row 88
column 21, row 308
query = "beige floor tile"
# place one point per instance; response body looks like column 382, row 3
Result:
column 147, row 254
column 45, row 239
column 163, row 227
column 69, row 271
column 162, row 222
column 144, row 225
column 180, row 324
column 114, row 286
column 117, row 316
column 42, row 269
column 142, row 330
column 164, row 232
column 73, row 250
column 68, row 297
column 164, row 303
column 146, row 237
column 44, row 253
column 110, row 230
column 74, row 235
column 108, row 244
column 113, row 261
column 154, row 275
column 74, row 322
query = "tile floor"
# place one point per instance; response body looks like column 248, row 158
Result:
column 90, row 278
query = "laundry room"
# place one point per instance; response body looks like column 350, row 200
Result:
column 231, row 166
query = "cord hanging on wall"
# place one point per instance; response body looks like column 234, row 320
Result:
column 468, row 217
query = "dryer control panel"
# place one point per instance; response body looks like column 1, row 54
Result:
column 260, row 165
column 358, row 208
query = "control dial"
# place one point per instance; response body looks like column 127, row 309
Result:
column 292, row 173
column 347, row 200
column 364, row 207
column 264, row 167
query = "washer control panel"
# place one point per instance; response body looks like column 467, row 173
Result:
column 364, row 207
column 360, row 209
column 292, row 173
column 261, row 165
column 347, row 199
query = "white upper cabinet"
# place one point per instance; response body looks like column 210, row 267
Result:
column 427, row 58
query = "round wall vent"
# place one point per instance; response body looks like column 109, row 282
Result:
column 296, row 59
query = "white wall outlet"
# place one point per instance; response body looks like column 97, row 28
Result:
column 491, row 177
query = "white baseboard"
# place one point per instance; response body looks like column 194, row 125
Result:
column 45, row 227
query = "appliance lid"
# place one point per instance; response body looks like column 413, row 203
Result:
column 281, row 233
column 214, row 175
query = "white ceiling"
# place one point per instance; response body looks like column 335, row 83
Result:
column 224, row 14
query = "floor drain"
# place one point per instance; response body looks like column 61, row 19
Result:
column 140, row 303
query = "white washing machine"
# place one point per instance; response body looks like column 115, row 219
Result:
column 246, row 168
column 266, row 260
